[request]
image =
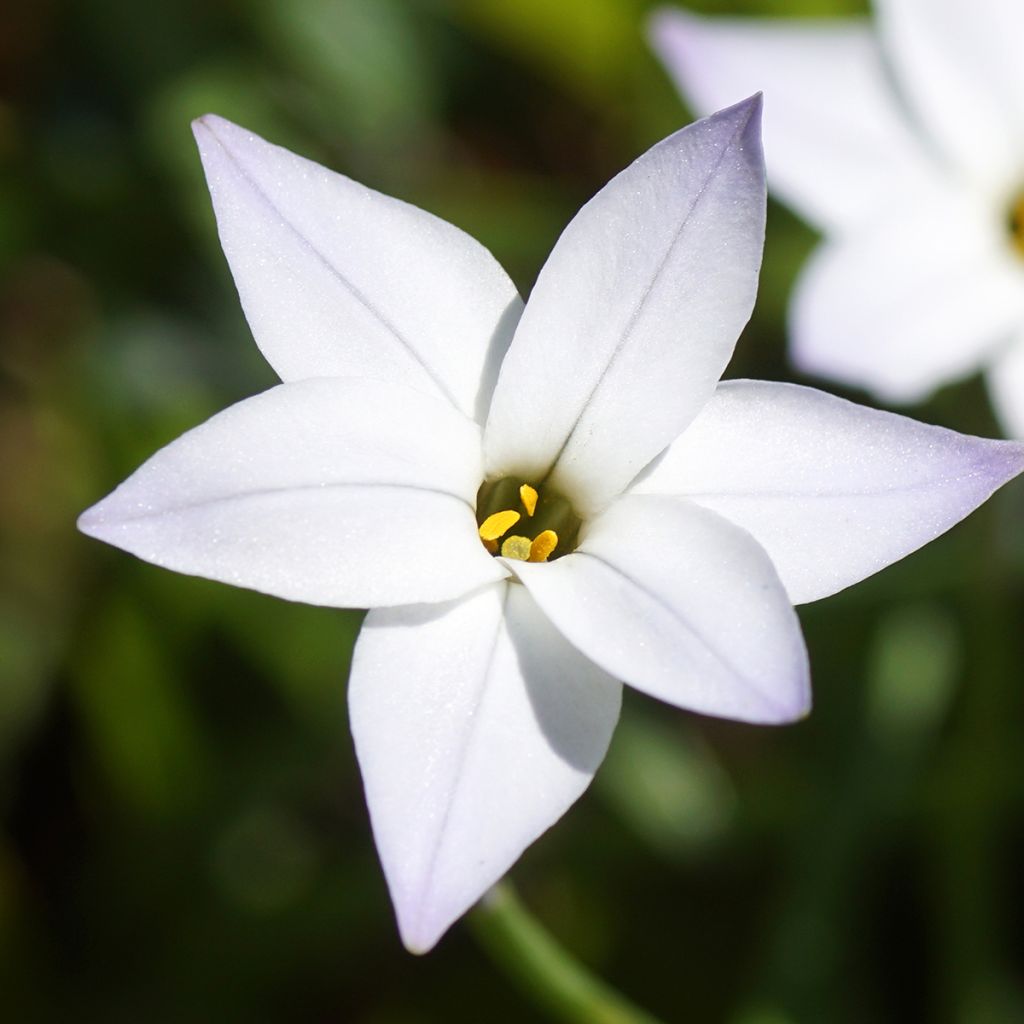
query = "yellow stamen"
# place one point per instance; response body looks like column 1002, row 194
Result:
column 542, row 546
column 528, row 496
column 516, row 547
column 491, row 546
column 494, row 526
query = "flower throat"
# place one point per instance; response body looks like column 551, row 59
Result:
column 1015, row 223
column 518, row 520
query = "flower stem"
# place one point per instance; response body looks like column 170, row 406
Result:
column 544, row 969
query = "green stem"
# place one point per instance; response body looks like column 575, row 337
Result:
column 544, row 969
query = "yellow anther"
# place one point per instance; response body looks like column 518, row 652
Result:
column 542, row 546
column 516, row 547
column 528, row 496
column 494, row 526
column 491, row 546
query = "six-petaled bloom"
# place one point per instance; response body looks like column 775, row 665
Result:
column 538, row 504
column 903, row 142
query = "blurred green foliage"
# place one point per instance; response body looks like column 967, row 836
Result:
column 184, row 835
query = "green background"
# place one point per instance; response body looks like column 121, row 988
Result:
column 183, row 829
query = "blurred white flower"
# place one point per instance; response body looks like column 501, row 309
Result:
column 517, row 566
column 903, row 141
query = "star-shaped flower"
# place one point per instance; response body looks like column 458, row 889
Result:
column 903, row 141
column 538, row 504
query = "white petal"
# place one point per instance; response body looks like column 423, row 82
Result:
column 1006, row 386
column 912, row 301
column 635, row 313
column 833, row 491
column 959, row 62
column 837, row 145
column 334, row 492
column 680, row 603
column 339, row 280
column 476, row 727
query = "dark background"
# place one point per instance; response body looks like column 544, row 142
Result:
column 182, row 829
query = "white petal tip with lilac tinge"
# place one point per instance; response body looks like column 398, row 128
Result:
column 837, row 140
column 646, row 290
column 832, row 490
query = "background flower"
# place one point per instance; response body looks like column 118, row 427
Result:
column 902, row 139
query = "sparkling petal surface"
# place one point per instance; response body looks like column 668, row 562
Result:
column 959, row 64
column 333, row 492
column 476, row 726
column 832, row 490
column 910, row 301
column 338, row 280
column 683, row 605
column 837, row 145
column 635, row 313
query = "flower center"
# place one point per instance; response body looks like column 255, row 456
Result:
column 521, row 521
column 1015, row 223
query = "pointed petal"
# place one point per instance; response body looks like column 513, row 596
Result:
column 476, row 726
column 338, row 280
column 832, row 490
column 911, row 301
column 837, row 145
column 1006, row 386
column 334, row 492
column 635, row 313
column 676, row 601
column 959, row 63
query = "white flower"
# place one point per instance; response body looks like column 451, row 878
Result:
column 396, row 458
column 903, row 141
